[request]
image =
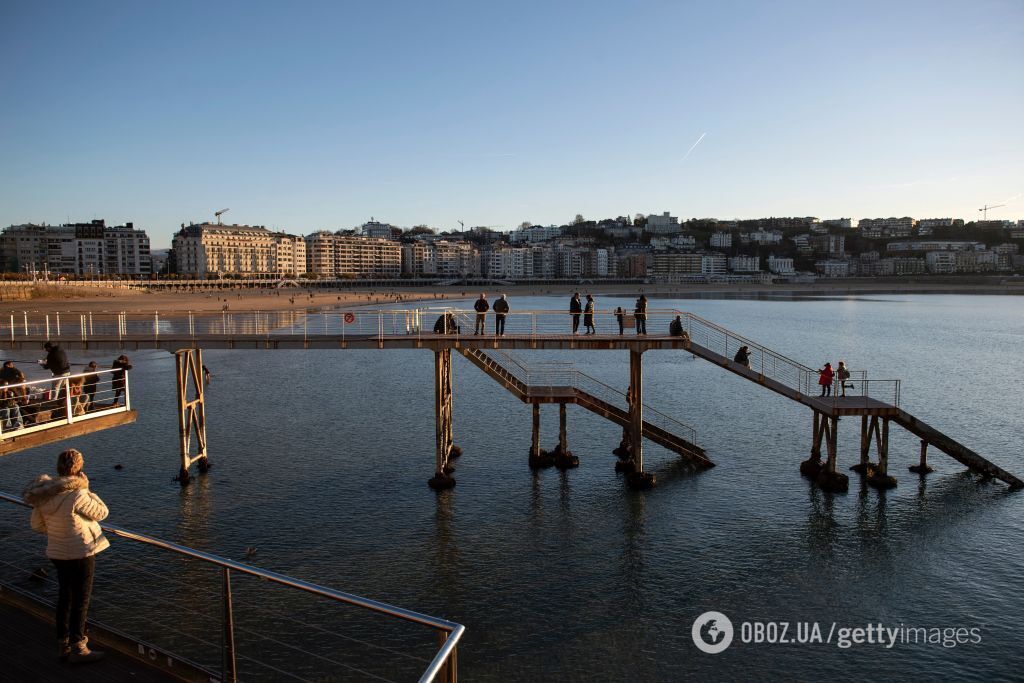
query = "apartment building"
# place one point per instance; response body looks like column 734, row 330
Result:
column 84, row 249
column 208, row 249
column 663, row 224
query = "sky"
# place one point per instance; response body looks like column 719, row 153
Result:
column 303, row 116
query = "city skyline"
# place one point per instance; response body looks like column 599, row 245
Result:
column 322, row 118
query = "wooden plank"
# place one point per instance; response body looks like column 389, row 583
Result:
column 67, row 431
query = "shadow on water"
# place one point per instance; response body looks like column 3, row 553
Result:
column 633, row 557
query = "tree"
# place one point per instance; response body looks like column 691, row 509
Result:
column 639, row 221
column 579, row 219
column 525, row 224
column 422, row 230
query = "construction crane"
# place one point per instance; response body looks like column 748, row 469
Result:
column 462, row 226
column 217, row 214
column 984, row 210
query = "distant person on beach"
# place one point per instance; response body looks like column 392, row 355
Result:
column 481, row 307
column 500, row 310
column 743, row 356
column 843, row 374
column 69, row 514
column 575, row 308
column 641, row 315
column 588, row 316
column 118, row 382
column 620, row 317
column 825, row 376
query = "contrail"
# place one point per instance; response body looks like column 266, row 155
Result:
column 693, row 146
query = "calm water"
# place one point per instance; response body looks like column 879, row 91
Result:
column 321, row 458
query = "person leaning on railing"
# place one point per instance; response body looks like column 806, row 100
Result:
column 120, row 366
column 69, row 514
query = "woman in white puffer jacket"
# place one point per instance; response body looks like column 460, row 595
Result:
column 69, row 514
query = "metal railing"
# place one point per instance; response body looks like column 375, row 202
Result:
column 565, row 373
column 418, row 323
column 34, row 406
column 443, row 666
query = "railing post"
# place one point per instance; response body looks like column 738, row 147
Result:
column 25, row 314
column 58, row 323
column 70, row 416
column 127, row 393
column 90, row 322
column 47, row 325
column 229, row 673
column 156, row 323
column 12, row 327
column 450, row 671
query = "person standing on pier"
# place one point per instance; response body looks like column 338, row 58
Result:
column 825, row 376
column 620, row 317
column 89, row 386
column 588, row 316
column 69, row 514
column 575, row 307
column 641, row 315
column 481, row 307
column 118, row 378
column 843, row 374
column 500, row 310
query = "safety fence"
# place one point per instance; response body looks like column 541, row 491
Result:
column 28, row 407
column 234, row 619
column 429, row 323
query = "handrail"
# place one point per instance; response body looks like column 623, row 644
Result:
column 34, row 403
column 452, row 630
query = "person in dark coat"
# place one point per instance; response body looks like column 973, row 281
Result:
column 56, row 360
column 121, row 365
column 481, row 307
column 641, row 315
column 743, row 356
column 675, row 328
column 620, row 316
column 575, row 307
column 500, row 310
column 588, row 316
column 12, row 375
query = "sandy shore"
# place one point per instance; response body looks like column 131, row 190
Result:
column 136, row 301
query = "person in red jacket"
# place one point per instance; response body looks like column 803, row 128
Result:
column 825, row 376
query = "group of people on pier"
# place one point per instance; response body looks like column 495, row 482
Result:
column 579, row 310
column 20, row 405
column 827, row 377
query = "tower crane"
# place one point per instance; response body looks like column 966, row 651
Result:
column 984, row 210
column 218, row 214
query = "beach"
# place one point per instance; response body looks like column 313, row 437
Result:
column 79, row 298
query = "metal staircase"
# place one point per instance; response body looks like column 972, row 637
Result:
column 562, row 383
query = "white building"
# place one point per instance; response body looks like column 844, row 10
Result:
column 745, row 264
column 721, row 240
column 713, row 264
column 377, row 229
column 780, row 266
column 941, row 262
column 207, row 249
column 833, row 268
column 875, row 228
column 663, row 224
column 764, row 237
column 87, row 249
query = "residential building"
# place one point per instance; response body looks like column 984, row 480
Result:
column 780, row 266
column 374, row 228
column 721, row 240
column 831, row 245
column 84, row 249
column 875, row 228
column 941, row 262
column 665, row 263
column 833, row 268
column 763, row 237
column 840, row 223
column 934, row 245
column 207, row 249
column 663, row 224
column 713, row 264
column 745, row 264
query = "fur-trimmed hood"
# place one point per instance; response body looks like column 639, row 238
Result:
column 44, row 487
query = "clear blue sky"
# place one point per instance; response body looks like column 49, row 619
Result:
column 304, row 116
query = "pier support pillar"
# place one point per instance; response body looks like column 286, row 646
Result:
column 880, row 478
column 442, row 478
column 188, row 365
column 539, row 458
column 563, row 457
column 825, row 429
column 922, row 467
column 865, row 465
column 637, row 479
